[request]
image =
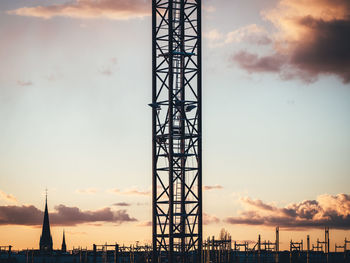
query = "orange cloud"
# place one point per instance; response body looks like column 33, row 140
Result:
column 89, row 9
column 8, row 197
column 130, row 191
column 326, row 210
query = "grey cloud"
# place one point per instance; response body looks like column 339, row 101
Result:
column 62, row 215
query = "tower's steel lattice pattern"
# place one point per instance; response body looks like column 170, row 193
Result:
column 177, row 130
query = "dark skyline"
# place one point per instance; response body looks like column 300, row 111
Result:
column 75, row 83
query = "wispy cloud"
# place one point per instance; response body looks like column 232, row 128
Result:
column 145, row 224
column 86, row 191
column 114, row 61
column 130, row 191
column 326, row 210
column 212, row 187
column 24, row 83
column 210, row 219
column 252, row 34
column 89, row 9
column 122, row 204
column 106, row 71
column 209, row 8
column 8, row 197
column 109, row 68
column 62, row 215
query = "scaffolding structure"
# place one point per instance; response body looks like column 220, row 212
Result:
column 219, row 251
column 176, row 131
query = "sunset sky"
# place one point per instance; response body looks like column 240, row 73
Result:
column 75, row 81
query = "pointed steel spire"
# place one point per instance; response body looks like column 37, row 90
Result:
column 46, row 239
column 64, row 247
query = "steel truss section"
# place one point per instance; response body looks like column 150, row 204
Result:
column 176, row 131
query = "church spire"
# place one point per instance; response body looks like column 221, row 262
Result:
column 46, row 239
column 64, row 247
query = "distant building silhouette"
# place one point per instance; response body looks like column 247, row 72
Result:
column 64, row 247
column 45, row 238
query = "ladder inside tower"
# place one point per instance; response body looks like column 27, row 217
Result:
column 177, row 123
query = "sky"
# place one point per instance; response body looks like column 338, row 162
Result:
column 75, row 81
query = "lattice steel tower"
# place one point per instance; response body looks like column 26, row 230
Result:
column 176, row 131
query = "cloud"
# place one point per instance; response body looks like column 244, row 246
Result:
column 109, row 68
column 252, row 34
column 326, row 210
column 214, row 35
column 8, row 197
column 89, row 9
column 210, row 219
column 212, row 187
column 62, row 215
column 122, row 204
column 114, row 60
column 257, row 204
column 86, row 191
column 253, row 63
column 20, row 215
column 208, row 8
column 145, row 224
column 312, row 39
column 143, row 204
column 24, row 83
column 326, row 51
column 107, row 72
column 130, row 191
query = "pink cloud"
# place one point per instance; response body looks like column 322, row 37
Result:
column 253, row 63
column 24, row 83
column 89, row 9
column 122, row 204
column 213, row 187
column 145, row 224
column 312, row 39
column 210, row 219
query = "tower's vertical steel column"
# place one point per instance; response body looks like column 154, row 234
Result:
column 176, row 131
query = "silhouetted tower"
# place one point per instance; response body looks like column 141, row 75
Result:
column 64, row 246
column 176, row 130
column 326, row 240
column 45, row 238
